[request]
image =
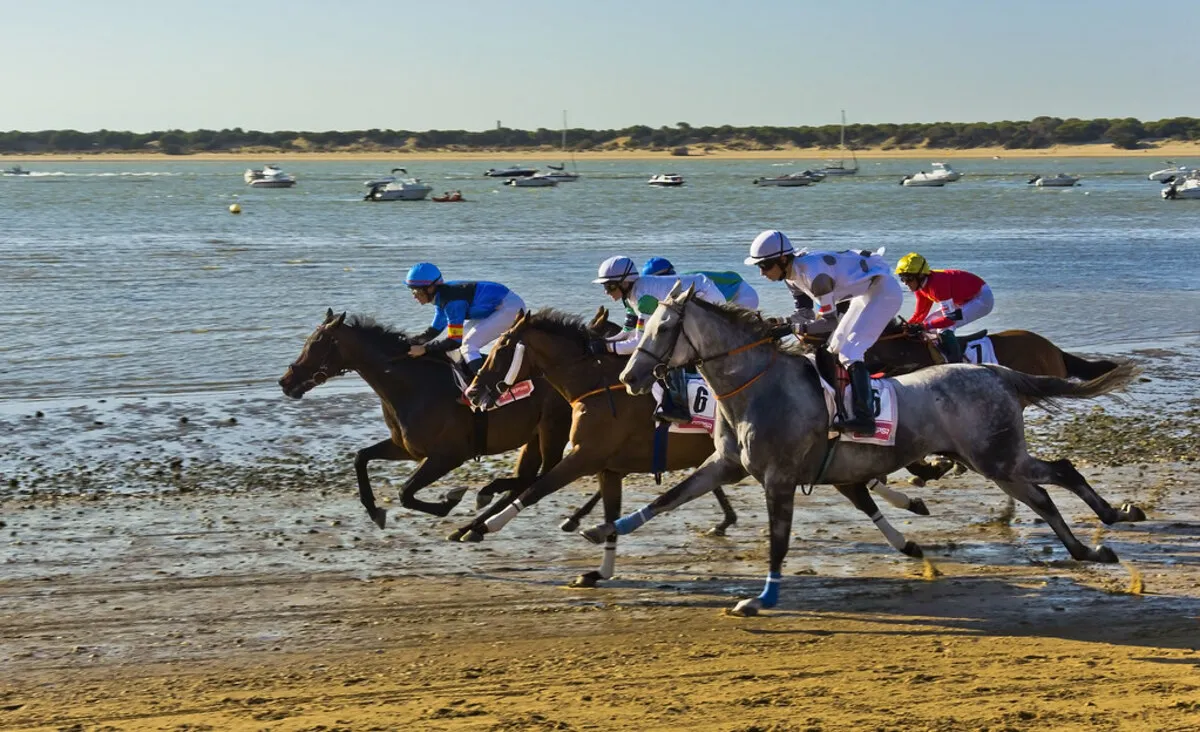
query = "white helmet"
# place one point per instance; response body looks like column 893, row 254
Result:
column 617, row 269
column 770, row 244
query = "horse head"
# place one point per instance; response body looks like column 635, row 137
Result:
column 505, row 366
column 319, row 360
column 661, row 348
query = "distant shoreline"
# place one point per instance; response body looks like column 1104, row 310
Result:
column 1171, row 150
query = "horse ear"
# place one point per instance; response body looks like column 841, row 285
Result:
column 675, row 289
column 691, row 290
column 337, row 323
column 328, row 314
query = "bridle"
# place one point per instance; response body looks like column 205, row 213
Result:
column 660, row 361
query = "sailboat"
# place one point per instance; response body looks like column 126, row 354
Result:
column 559, row 173
column 838, row 167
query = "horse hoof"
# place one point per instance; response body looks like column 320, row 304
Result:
column 569, row 525
column 452, row 498
column 379, row 516
column 960, row 469
column 586, row 580
column 913, row 549
column 715, row 531
column 471, row 536
column 456, row 535
column 598, row 533
column 918, row 482
column 483, row 500
column 1105, row 555
column 745, row 608
column 1132, row 513
column 917, row 506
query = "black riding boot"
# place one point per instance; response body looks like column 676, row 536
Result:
column 861, row 399
column 470, row 368
column 951, row 348
column 674, row 406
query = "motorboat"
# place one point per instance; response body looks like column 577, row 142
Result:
column 391, row 188
column 1182, row 188
column 791, row 180
column 1060, row 180
column 560, row 175
column 16, row 170
column 541, row 180
column 270, row 176
column 1161, row 176
column 666, row 180
column 923, row 180
column 513, row 172
column 945, row 171
column 449, row 197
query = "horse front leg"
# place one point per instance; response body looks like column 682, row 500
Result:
column 880, row 487
column 572, row 522
column 729, row 517
column 431, row 469
column 384, row 450
column 714, row 472
column 610, row 491
column 924, row 471
column 781, row 497
column 858, row 494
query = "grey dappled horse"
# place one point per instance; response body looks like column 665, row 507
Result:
column 774, row 425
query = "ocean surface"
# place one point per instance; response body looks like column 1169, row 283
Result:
column 133, row 281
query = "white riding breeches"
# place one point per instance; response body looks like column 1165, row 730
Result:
column 486, row 330
column 864, row 321
column 745, row 296
column 976, row 308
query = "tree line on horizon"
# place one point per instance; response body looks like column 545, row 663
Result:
column 1041, row 132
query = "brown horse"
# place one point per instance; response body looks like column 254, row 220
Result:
column 612, row 433
column 423, row 409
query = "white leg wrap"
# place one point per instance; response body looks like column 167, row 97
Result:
column 609, row 564
column 500, row 520
column 896, row 498
column 895, row 538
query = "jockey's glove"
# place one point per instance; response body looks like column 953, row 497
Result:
column 914, row 328
column 820, row 326
column 599, row 347
column 956, row 314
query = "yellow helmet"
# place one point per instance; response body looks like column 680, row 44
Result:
column 913, row 264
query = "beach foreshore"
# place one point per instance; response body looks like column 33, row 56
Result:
column 1166, row 150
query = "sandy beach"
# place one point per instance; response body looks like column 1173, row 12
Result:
column 1166, row 150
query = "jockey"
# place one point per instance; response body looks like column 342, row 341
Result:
column 640, row 295
column 735, row 289
column 961, row 298
column 491, row 309
column 861, row 278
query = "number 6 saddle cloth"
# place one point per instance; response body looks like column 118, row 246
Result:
column 701, row 404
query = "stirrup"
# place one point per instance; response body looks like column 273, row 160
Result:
column 672, row 415
column 856, row 426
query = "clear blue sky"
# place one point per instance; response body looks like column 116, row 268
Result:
column 465, row 64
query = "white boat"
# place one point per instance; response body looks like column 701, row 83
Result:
column 541, row 180
column 16, row 170
column 1060, row 180
column 269, row 177
column 945, row 171
column 391, row 188
column 839, row 167
column 666, row 180
column 1161, row 176
column 791, row 180
column 559, row 172
column 923, row 180
column 1183, row 188
column 513, row 172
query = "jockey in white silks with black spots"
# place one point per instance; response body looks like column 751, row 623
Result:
column 863, row 279
column 640, row 295
column 488, row 307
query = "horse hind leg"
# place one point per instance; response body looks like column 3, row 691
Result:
column 1063, row 473
column 728, row 519
column 1036, row 498
column 610, row 492
column 858, row 494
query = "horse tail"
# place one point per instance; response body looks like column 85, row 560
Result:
column 1082, row 368
column 1047, row 391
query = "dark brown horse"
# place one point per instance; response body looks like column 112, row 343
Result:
column 612, row 433
column 423, row 409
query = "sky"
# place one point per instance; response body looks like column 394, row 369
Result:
column 470, row 64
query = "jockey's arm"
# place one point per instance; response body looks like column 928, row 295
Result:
column 924, row 303
column 453, row 314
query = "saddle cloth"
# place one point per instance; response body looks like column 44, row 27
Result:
column 701, row 404
column 515, row 393
column 979, row 350
column 883, row 395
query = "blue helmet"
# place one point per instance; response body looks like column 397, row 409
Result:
column 423, row 275
column 657, row 266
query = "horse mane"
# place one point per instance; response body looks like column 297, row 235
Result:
column 556, row 322
column 387, row 340
column 751, row 320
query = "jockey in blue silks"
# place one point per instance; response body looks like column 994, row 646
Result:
column 484, row 309
column 735, row 289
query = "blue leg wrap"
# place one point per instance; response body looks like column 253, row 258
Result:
column 632, row 522
column 770, row 593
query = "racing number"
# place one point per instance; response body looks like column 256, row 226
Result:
column 978, row 349
column 701, row 400
column 876, row 402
